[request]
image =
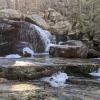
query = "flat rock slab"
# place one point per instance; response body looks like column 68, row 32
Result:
column 34, row 68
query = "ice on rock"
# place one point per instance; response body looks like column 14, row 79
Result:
column 56, row 80
column 13, row 56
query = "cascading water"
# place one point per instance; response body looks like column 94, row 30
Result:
column 45, row 35
column 39, row 39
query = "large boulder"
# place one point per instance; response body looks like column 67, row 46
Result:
column 58, row 24
column 70, row 49
column 38, row 20
column 17, row 15
column 61, row 27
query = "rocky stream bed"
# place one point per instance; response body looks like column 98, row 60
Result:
column 20, row 79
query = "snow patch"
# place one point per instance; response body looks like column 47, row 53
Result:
column 56, row 80
column 13, row 56
column 28, row 50
column 96, row 73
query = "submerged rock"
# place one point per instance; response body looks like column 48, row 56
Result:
column 5, row 48
column 93, row 53
column 70, row 49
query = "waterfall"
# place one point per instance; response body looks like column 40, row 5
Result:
column 45, row 35
column 28, row 36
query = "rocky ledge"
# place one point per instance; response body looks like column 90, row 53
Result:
column 34, row 68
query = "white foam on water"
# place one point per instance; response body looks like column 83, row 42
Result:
column 28, row 50
column 56, row 80
column 13, row 56
column 96, row 73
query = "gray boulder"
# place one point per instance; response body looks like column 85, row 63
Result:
column 71, row 49
column 38, row 20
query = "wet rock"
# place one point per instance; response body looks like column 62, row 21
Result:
column 5, row 48
column 4, row 27
column 71, row 49
column 27, row 54
column 96, row 44
column 93, row 53
column 17, row 48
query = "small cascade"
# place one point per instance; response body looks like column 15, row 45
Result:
column 45, row 35
column 39, row 39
